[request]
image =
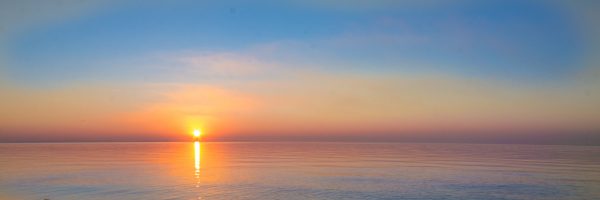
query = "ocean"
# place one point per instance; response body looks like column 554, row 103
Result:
column 297, row 170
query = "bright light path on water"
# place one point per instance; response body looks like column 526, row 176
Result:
column 197, row 156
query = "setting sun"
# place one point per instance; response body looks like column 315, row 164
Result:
column 197, row 133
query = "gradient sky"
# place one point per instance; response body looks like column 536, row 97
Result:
column 487, row 71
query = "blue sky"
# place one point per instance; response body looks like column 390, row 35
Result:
column 498, row 39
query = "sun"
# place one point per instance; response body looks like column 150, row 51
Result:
column 197, row 133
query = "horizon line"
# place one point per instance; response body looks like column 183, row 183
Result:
column 299, row 141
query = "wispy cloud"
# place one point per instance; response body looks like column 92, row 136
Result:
column 221, row 64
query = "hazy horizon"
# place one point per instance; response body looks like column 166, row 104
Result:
column 526, row 139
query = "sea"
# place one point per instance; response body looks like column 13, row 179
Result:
column 297, row 170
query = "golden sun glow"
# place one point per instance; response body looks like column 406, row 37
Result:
column 197, row 133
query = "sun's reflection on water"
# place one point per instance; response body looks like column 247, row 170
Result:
column 197, row 156
column 197, row 162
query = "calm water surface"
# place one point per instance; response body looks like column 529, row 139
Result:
column 297, row 171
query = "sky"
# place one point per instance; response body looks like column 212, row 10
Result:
column 415, row 71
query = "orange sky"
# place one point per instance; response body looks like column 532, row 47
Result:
column 310, row 105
